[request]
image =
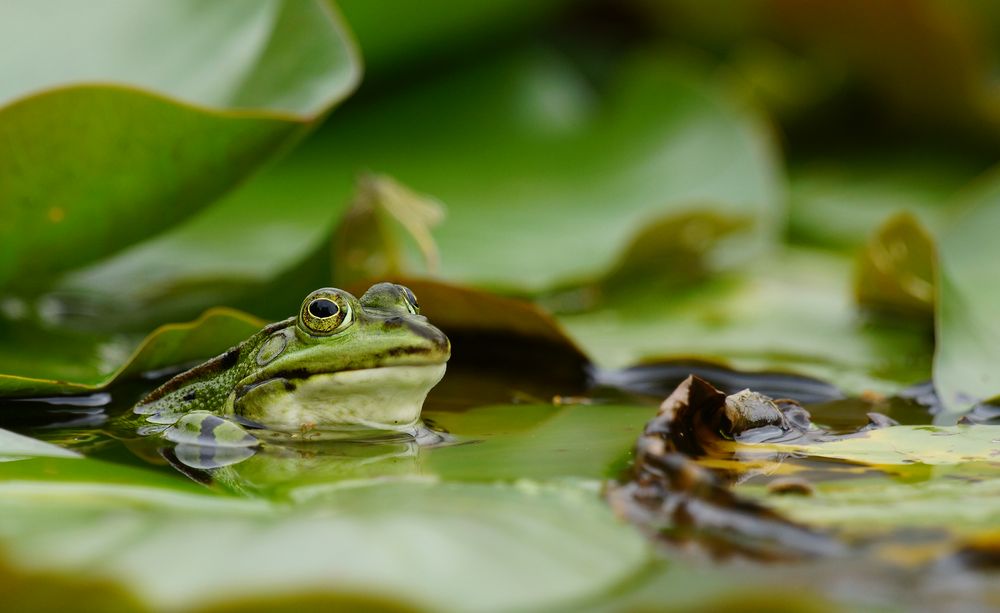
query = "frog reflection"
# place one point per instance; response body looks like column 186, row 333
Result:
column 278, row 468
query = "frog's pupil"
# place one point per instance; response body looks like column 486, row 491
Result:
column 323, row 308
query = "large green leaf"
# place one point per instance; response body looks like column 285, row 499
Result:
column 418, row 543
column 38, row 363
column 967, row 360
column 117, row 122
column 532, row 163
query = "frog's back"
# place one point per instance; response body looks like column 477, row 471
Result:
column 205, row 387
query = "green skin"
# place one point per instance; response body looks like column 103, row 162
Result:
column 341, row 364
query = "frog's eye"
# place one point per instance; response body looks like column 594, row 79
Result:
column 411, row 300
column 325, row 314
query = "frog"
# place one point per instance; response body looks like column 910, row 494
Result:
column 341, row 365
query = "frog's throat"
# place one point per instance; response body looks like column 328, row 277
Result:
column 388, row 397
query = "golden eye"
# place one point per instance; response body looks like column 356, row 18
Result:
column 325, row 314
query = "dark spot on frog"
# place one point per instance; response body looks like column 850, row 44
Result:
column 295, row 373
column 190, row 396
column 395, row 352
column 229, row 358
column 289, row 385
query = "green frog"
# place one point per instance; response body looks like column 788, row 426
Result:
column 342, row 364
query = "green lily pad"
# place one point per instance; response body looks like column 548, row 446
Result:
column 514, row 147
column 418, row 543
column 967, row 360
column 930, row 445
column 36, row 363
column 144, row 123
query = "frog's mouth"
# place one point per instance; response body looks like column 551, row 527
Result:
column 387, row 398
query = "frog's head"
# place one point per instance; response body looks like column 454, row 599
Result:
column 344, row 363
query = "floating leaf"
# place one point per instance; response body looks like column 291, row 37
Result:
column 931, row 445
column 959, row 500
column 149, row 130
column 967, row 359
column 68, row 365
column 407, row 542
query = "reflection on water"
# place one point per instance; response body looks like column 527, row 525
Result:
column 275, row 469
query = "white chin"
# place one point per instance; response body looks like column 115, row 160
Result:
column 390, row 397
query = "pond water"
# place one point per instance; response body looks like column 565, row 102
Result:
column 477, row 426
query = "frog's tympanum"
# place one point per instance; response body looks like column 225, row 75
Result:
column 342, row 364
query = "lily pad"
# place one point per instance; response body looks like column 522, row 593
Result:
column 961, row 500
column 407, row 542
column 145, row 124
column 967, row 359
column 932, row 445
column 513, row 147
column 54, row 364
